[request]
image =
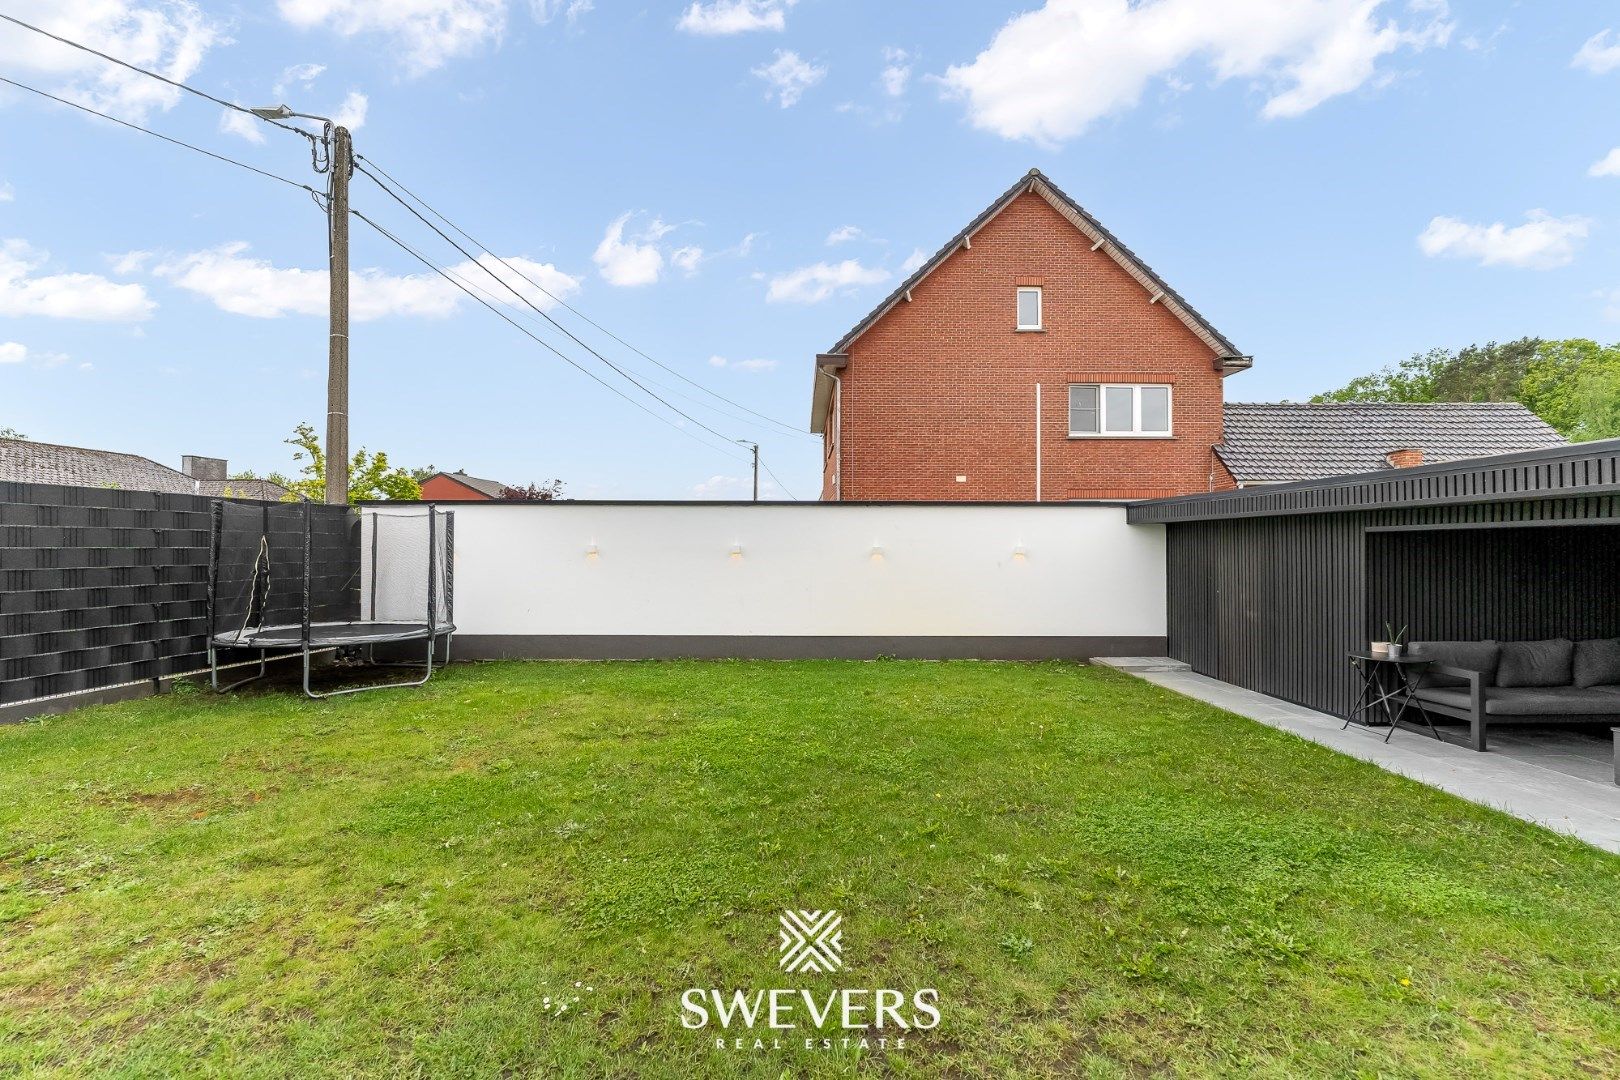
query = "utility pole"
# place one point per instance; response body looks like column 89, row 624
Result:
column 337, row 361
column 755, row 447
column 339, row 165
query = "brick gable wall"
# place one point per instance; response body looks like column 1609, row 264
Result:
column 944, row 386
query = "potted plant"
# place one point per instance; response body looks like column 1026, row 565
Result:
column 1395, row 647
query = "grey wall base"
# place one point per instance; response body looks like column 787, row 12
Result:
column 729, row 647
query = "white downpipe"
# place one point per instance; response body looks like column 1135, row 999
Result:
column 838, row 437
column 1037, row 442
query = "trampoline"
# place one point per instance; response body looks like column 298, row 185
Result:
column 304, row 578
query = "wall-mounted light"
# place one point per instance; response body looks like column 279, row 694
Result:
column 1019, row 554
column 877, row 553
column 736, row 553
column 592, row 554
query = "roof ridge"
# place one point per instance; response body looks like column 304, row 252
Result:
column 1373, row 404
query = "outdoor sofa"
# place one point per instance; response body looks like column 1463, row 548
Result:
column 1519, row 682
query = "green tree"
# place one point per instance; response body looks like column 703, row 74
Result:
column 1489, row 372
column 11, row 433
column 1572, row 384
column 370, row 475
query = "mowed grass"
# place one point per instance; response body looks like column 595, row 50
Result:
column 1099, row 877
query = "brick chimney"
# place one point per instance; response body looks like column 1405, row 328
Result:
column 204, row 468
column 1405, row 458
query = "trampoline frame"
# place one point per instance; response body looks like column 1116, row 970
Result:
column 309, row 642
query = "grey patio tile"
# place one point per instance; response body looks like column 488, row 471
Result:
column 1562, row 780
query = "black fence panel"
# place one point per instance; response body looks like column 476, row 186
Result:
column 100, row 587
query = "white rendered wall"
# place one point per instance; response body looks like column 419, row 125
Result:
column 806, row 570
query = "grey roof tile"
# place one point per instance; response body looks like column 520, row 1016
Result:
column 29, row 462
column 1282, row 441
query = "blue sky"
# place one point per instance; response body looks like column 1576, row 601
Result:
column 730, row 184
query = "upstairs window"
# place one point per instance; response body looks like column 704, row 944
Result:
column 1119, row 410
column 1029, row 309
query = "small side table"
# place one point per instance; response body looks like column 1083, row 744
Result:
column 1387, row 691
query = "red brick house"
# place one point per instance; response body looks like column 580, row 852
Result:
column 459, row 487
column 1034, row 356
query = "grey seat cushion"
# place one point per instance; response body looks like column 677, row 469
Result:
column 1551, row 701
column 1531, row 701
column 1536, row 663
column 1481, row 656
column 1597, row 662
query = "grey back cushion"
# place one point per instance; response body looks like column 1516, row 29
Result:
column 1481, row 656
column 1597, row 662
column 1536, row 663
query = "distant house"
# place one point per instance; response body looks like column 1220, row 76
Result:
column 1035, row 356
column 29, row 462
column 459, row 487
column 1275, row 443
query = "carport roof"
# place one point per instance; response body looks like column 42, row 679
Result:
column 1564, row 471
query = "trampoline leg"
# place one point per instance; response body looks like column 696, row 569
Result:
column 427, row 673
column 213, row 671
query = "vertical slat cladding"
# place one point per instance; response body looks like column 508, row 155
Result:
column 1275, row 603
column 100, row 587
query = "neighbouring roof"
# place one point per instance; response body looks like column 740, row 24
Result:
column 29, row 462
column 492, row 488
column 1273, row 442
column 1226, row 354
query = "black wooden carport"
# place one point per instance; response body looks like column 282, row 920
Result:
column 1271, row 587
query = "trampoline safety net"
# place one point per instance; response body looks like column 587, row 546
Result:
column 286, row 575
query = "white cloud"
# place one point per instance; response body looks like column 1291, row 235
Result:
column 570, row 10
column 1611, row 303
column 13, row 352
column 813, row 284
column 634, row 261
column 7, row 192
column 170, row 38
column 1599, row 55
column 1541, row 243
column 843, row 235
column 735, row 16
column 896, row 71
column 298, row 74
column 428, row 33
column 1050, row 74
column 129, row 262
column 63, row 296
column 1608, row 165
column 241, row 125
column 914, row 261
column 742, row 365
column 789, row 76
column 687, row 259
column 352, row 112
column 243, row 285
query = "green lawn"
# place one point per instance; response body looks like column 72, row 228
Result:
column 1097, row 876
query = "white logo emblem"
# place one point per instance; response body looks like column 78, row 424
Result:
column 811, row 941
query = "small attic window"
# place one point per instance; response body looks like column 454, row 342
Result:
column 1029, row 308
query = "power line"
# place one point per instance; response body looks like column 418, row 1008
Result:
column 570, row 361
column 778, row 480
column 539, row 310
column 156, row 134
column 559, row 300
column 152, row 74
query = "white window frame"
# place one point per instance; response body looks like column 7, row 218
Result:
column 1136, row 431
column 1040, row 308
